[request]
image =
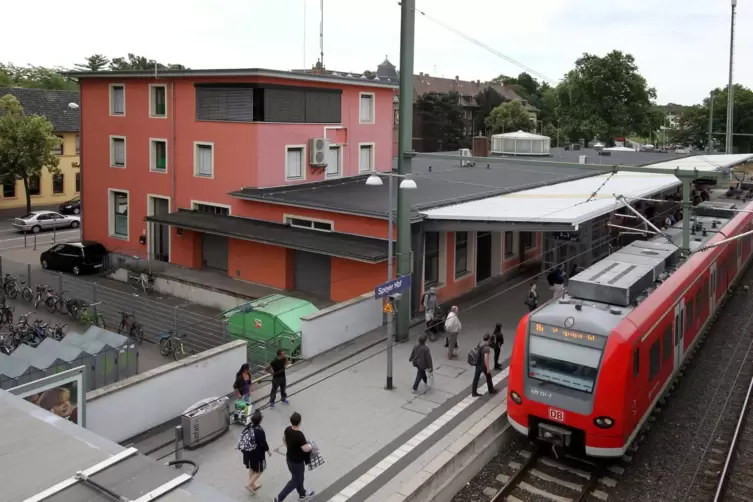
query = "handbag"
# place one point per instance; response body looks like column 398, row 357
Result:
column 315, row 457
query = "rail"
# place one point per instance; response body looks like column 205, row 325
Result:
column 724, row 477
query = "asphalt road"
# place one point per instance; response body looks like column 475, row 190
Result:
column 11, row 238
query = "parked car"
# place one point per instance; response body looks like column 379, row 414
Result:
column 72, row 206
column 36, row 221
column 76, row 257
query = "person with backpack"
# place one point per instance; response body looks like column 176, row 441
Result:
column 253, row 445
column 532, row 300
column 420, row 356
column 479, row 357
column 429, row 302
column 496, row 342
column 452, row 327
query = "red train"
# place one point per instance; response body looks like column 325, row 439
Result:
column 587, row 370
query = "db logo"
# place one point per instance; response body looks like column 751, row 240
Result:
column 557, row 415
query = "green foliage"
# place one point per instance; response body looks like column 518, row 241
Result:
column 509, row 117
column 442, row 118
column 95, row 62
column 487, row 100
column 540, row 95
column 35, row 77
column 604, row 97
column 26, row 143
column 140, row 63
column 369, row 74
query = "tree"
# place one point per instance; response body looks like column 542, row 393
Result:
column 36, row 77
column 26, row 143
column 140, row 63
column 604, row 97
column 487, row 100
column 369, row 74
column 95, row 62
column 442, row 119
column 508, row 117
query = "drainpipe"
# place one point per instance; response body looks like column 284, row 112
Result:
column 172, row 146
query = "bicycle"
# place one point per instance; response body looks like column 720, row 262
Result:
column 42, row 295
column 12, row 285
column 144, row 281
column 56, row 332
column 84, row 315
column 6, row 313
column 58, row 302
column 171, row 344
column 133, row 328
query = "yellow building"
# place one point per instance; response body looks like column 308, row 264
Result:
column 62, row 109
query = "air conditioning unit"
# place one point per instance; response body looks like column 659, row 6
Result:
column 466, row 152
column 318, row 148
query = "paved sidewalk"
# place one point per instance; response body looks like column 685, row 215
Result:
column 350, row 415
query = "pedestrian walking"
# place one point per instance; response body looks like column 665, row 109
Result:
column 483, row 366
column 556, row 279
column 276, row 368
column 429, row 302
column 532, row 300
column 242, row 385
column 452, row 326
column 420, row 356
column 496, row 342
column 298, row 451
column 253, row 446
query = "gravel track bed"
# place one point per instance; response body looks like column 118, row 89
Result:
column 671, row 462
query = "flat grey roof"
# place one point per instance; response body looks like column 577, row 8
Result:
column 40, row 450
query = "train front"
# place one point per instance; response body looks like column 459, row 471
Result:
column 558, row 355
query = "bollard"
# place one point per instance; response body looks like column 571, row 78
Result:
column 54, row 234
column 24, row 239
column 28, row 274
column 178, row 439
column 35, row 242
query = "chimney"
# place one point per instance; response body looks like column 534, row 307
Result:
column 457, row 78
column 420, row 74
column 478, row 82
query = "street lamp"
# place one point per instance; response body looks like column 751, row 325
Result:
column 375, row 180
column 73, row 106
column 730, row 88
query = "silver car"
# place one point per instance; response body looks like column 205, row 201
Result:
column 36, row 221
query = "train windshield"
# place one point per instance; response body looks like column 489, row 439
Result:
column 563, row 363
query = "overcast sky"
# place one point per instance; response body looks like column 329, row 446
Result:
column 681, row 46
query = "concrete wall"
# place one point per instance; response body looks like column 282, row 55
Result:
column 339, row 324
column 134, row 405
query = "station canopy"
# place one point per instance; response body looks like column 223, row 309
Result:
column 564, row 204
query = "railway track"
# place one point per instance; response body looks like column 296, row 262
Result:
column 736, row 478
column 539, row 475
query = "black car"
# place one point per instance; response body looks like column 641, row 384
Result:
column 76, row 257
column 72, row 206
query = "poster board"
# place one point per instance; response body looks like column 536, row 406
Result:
column 62, row 394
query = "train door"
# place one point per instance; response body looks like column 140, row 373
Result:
column 712, row 289
column 679, row 332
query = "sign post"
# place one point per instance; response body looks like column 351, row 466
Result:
column 393, row 291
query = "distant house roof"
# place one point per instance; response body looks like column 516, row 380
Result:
column 333, row 77
column 51, row 104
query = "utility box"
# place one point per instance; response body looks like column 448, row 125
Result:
column 480, row 146
column 205, row 421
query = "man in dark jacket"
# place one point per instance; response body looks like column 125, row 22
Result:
column 420, row 356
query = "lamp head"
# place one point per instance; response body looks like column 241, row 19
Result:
column 374, row 181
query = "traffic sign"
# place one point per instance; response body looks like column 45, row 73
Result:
column 392, row 287
column 388, row 308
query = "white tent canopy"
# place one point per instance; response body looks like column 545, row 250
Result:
column 520, row 143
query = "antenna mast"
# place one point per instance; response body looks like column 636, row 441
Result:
column 321, row 33
column 304, row 34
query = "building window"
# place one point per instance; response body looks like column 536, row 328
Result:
column 158, row 101
column 667, row 349
column 322, row 226
column 78, row 143
column 9, row 189
column 204, row 160
column 366, row 158
column 78, row 182
column 461, row 253
column 366, row 113
column 117, row 151
column 34, row 188
column 654, row 362
column 334, row 161
column 119, row 214
column 509, row 251
column 636, row 363
column 431, row 258
column 58, row 148
column 117, row 99
column 294, row 162
column 158, row 155
column 528, row 240
column 58, row 183
column 689, row 314
column 211, row 209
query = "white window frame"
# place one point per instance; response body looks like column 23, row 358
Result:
column 111, row 214
column 362, row 95
column 373, row 157
column 339, row 172
column 111, row 87
column 196, row 145
column 150, row 228
column 194, row 203
column 112, row 152
column 153, row 157
column 288, row 217
column 304, row 162
column 152, row 101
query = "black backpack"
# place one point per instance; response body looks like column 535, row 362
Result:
column 550, row 278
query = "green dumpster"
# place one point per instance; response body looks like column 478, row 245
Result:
column 269, row 324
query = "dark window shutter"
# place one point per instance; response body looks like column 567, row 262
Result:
column 283, row 105
column 225, row 104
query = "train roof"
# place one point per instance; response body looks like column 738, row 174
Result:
column 601, row 296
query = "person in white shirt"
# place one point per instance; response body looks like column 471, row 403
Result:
column 452, row 327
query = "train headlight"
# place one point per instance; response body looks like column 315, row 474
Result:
column 604, row 422
column 516, row 397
